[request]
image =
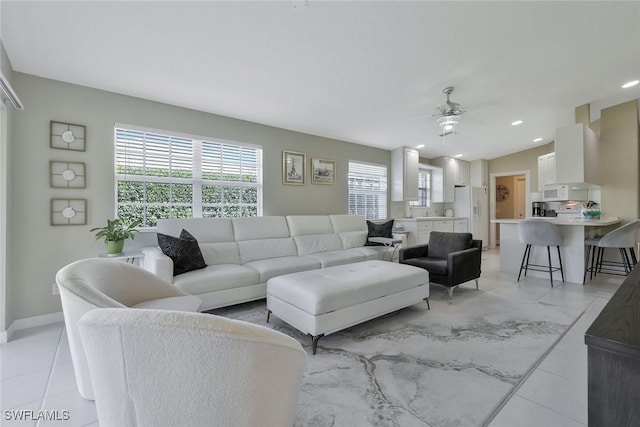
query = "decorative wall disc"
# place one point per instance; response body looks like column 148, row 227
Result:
column 67, row 136
column 67, row 174
column 68, row 211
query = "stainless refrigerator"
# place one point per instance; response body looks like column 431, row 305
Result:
column 473, row 203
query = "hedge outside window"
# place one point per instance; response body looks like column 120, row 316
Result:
column 159, row 175
column 368, row 190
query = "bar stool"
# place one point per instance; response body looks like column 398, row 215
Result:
column 540, row 233
column 622, row 238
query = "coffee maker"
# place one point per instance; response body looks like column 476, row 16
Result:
column 538, row 208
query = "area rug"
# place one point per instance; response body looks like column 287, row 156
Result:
column 449, row 366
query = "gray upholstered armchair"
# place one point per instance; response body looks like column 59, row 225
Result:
column 450, row 258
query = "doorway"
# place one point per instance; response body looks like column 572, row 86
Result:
column 508, row 199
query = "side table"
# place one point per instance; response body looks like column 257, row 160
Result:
column 388, row 242
column 128, row 256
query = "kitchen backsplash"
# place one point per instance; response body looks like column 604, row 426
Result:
column 403, row 209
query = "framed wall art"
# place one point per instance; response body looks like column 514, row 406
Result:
column 293, row 165
column 67, row 136
column 68, row 211
column 323, row 171
column 67, row 174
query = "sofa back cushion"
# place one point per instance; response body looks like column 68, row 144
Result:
column 263, row 237
column 315, row 243
column 441, row 244
column 352, row 230
column 215, row 237
column 303, row 225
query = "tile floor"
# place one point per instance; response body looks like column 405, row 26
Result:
column 37, row 374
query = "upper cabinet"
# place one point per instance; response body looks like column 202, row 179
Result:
column 404, row 174
column 455, row 172
column 576, row 155
column 546, row 170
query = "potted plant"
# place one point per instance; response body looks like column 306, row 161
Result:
column 115, row 233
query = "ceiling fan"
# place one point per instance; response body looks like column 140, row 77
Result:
column 448, row 114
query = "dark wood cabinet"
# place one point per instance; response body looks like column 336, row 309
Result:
column 613, row 342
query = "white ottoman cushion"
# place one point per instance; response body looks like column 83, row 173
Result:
column 322, row 291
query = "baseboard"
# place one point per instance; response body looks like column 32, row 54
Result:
column 30, row 322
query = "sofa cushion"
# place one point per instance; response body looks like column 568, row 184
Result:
column 253, row 250
column 346, row 223
column 260, row 227
column 183, row 251
column 220, row 253
column 442, row 244
column 303, row 225
column 216, row 278
column 185, row 303
column 379, row 230
column 268, row 268
column 371, row 252
column 205, row 230
column 317, row 243
column 329, row 259
column 432, row 265
column 353, row 239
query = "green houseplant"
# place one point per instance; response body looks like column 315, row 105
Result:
column 115, row 233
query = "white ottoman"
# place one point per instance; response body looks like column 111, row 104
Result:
column 319, row 302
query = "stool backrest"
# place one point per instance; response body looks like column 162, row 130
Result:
column 539, row 233
column 622, row 237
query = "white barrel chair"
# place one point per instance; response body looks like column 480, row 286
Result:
column 165, row 368
column 98, row 283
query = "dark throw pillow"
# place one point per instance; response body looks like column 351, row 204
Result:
column 379, row 230
column 183, row 250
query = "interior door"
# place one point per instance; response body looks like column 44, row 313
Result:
column 519, row 199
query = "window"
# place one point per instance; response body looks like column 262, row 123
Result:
column 163, row 176
column 424, row 189
column 368, row 190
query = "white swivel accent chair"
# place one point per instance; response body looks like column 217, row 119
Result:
column 165, row 368
column 98, row 283
column 540, row 233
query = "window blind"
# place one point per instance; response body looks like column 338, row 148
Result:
column 167, row 176
column 368, row 190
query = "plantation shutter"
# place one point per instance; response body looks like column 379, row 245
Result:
column 368, row 190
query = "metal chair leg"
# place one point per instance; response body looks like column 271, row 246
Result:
column 428, row 305
column 586, row 264
column 268, row 315
column 476, row 284
column 550, row 270
column 524, row 256
column 624, row 261
column 314, row 342
column 450, row 293
column 600, row 257
column 526, row 266
column 634, row 260
column 560, row 259
column 593, row 253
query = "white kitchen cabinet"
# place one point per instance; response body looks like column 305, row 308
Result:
column 463, row 175
column 454, row 172
column 404, row 174
column 460, row 226
column 546, row 170
column 577, row 155
column 479, row 173
column 443, row 225
column 424, row 231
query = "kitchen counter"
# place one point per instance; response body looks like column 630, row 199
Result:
column 574, row 231
column 431, row 218
column 603, row 222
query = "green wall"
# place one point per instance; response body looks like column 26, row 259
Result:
column 38, row 250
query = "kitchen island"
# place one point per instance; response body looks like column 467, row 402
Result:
column 575, row 231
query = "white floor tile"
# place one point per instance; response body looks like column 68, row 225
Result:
column 30, row 350
column 81, row 411
column 520, row 412
column 20, row 390
column 22, row 416
column 62, row 379
column 567, row 365
column 558, row 394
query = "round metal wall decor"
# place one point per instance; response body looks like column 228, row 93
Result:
column 502, row 193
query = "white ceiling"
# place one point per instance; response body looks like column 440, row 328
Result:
column 366, row 72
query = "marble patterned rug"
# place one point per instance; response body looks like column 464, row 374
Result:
column 449, row 366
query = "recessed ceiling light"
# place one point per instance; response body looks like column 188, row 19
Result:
column 630, row 84
column 516, row 123
column 420, row 146
column 537, row 140
column 458, row 155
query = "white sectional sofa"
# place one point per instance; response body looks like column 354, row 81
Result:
column 242, row 254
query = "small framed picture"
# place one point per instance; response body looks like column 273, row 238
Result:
column 293, row 165
column 323, row 171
